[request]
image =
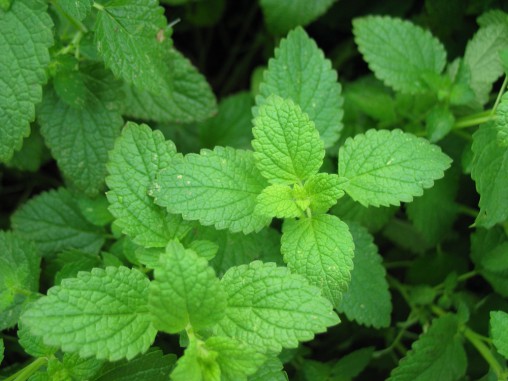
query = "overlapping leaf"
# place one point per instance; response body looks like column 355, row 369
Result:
column 499, row 330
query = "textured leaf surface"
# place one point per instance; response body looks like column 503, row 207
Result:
column 499, row 331
column 367, row 300
column 387, row 167
column 151, row 366
column 438, row 354
column 101, row 313
column 25, row 36
column 78, row 9
column 133, row 164
column 271, row 370
column 490, row 172
column 270, row 308
column 502, row 121
column 185, row 291
column 283, row 15
column 19, row 276
column 55, row 223
column 323, row 190
column 321, row 249
column 236, row 360
column 287, row 144
column 278, row 200
column 300, row 72
column 197, row 364
column 399, row 53
column 81, row 137
column 130, row 36
column 482, row 58
column 33, row 345
column 217, row 188
column 187, row 98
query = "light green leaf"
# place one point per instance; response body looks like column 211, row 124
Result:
column 387, row 167
column 433, row 213
column 187, row 98
column 33, row 345
column 132, row 38
column 270, row 308
column 79, row 368
column 70, row 262
column 78, row 9
column 236, row 360
column 54, row 222
column 439, row 122
column 490, row 172
column 19, row 276
column 438, row 354
column 81, row 137
column 103, row 313
column 323, row 190
column 287, row 144
column 367, row 300
column 499, row 331
column 300, row 72
column 278, row 200
column 271, row 370
column 185, row 291
column 133, row 164
column 502, row 121
column 203, row 248
column 283, row 15
column 232, row 126
column 217, row 188
column 197, row 364
column 400, row 53
column 25, row 36
column 321, row 249
column 482, row 58
column 95, row 210
column 370, row 217
column 151, row 366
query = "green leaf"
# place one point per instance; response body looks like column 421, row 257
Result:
column 399, row 53
column 197, row 364
column 352, row 364
column 103, row 313
column 323, row 190
column 19, row 276
column 187, row 98
column 270, row 308
column 25, row 36
column 502, row 121
column 300, row 72
column 232, row 126
column 203, row 248
column 54, row 222
column 33, row 345
column 32, row 154
column 499, row 331
column 133, row 164
column 78, row 368
column 236, row 360
column 287, row 144
column 2, row 348
column 81, row 137
column 370, row 217
column 78, row 9
column 439, row 123
column 132, row 38
column 278, row 200
column 95, row 210
column 367, row 300
column 387, row 167
column 283, row 15
column 482, row 58
column 71, row 262
column 272, row 370
column 321, row 249
column 438, row 354
column 151, row 366
column 433, row 213
column 185, row 292
column 217, row 188
column 490, row 172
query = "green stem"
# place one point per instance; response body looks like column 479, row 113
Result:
column 466, row 210
column 473, row 120
column 476, row 340
column 76, row 23
column 98, row 6
column 28, row 371
column 500, row 94
column 466, row 276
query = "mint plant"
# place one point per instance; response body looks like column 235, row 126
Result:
column 304, row 226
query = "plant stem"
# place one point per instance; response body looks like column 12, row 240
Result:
column 499, row 95
column 467, row 210
column 76, row 23
column 27, row 371
column 473, row 120
column 476, row 340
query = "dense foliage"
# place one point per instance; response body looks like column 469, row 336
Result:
column 283, row 189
